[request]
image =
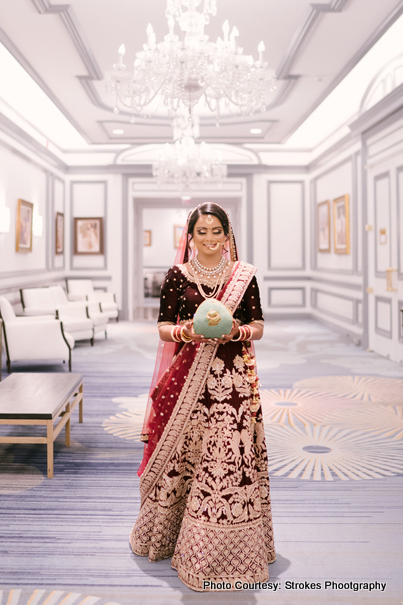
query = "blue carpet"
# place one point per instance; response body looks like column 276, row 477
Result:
column 335, row 449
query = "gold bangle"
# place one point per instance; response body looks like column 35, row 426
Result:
column 183, row 336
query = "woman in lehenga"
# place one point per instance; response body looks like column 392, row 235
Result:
column 204, row 479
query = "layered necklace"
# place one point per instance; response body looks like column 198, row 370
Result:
column 218, row 272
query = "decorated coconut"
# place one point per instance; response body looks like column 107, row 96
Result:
column 212, row 319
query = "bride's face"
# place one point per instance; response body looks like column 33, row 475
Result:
column 208, row 233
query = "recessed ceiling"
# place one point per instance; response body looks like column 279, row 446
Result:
column 68, row 47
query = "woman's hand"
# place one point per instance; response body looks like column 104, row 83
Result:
column 190, row 333
column 221, row 341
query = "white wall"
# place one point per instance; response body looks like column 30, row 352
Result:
column 336, row 279
column 281, row 236
column 21, row 179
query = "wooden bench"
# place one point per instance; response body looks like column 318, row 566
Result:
column 39, row 399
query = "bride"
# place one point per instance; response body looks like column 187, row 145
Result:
column 204, row 482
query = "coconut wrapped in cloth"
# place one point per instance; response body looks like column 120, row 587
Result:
column 212, row 319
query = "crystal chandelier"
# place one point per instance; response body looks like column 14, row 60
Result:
column 186, row 163
column 181, row 70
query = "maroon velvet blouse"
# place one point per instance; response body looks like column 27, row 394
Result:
column 180, row 297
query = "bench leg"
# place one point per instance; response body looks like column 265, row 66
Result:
column 80, row 406
column 67, row 427
column 49, row 442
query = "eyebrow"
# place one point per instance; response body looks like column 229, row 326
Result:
column 218, row 227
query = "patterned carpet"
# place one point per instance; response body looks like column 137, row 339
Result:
column 334, row 425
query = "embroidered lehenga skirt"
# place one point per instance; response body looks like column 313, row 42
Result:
column 209, row 505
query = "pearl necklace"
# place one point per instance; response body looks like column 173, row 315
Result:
column 217, row 272
column 209, row 271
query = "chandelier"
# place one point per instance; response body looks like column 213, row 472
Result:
column 186, row 163
column 182, row 70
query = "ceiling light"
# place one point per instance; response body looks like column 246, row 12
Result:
column 118, row 131
column 183, row 69
column 188, row 164
column 255, row 130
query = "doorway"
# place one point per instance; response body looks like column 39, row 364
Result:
column 385, row 280
column 158, row 226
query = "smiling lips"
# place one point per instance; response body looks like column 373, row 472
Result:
column 213, row 247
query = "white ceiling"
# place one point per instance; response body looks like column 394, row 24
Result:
column 68, row 47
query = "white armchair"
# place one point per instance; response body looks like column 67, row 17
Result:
column 33, row 338
column 93, row 311
column 41, row 301
column 83, row 289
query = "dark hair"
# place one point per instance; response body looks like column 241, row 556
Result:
column 209, row 208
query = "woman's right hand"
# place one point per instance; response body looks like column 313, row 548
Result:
column 190, row 333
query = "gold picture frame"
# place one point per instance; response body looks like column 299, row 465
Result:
column 323, row 226
column 178, row 229
column 341, row 225
column 147, row 237
column 25, row 212
column 88, row 235
column 59, row 233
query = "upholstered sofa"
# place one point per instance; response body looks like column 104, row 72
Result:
column 34, row 338
column 81, row 320
column 83, row 289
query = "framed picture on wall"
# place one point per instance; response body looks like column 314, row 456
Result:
column 341, row 225
column 177, row 235
column 324, row 226
column 59, row 233
column 25, row 213
column 88, row 235
column 146, row 237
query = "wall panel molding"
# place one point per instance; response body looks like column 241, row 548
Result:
column 314, row 279
column 357, row 305
column 339, row 316
column 399, row 219
column 400, row 319
column 105, row 230
column 379, row 177
column 52, row 223
column 378, row 330
column 282, row 305
column 302, row 266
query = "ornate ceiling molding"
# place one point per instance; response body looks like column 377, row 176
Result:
column 303, row 32
column 72, row 24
